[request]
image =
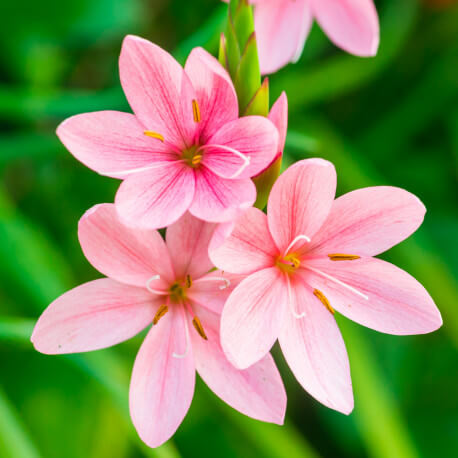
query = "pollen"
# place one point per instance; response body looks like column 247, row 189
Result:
column 162, row 310
column 323, row 300
column 199, row 328
column 188, row 281
column 150, row 133
column 289, row 263
column 342, row 257
column 196, row 159
column 195, row 111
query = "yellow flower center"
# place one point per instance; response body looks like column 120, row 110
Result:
column 288, row 263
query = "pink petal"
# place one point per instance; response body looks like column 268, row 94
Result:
column 187, row 241
column 257, row 391
column 396, row 303
column 369, row 221
column 219, row 200
column 279, row 116
column 350, row 24
column 119, row 252
column 300, row 200
column 158, row 90
column 111, row 143
column 157, row 197
column 212, row 290
column 214, row 91
column 252, row 317
column 315, row 351
column 162, row 386
column 255, row 141
column 249, row 247
column 94, row 315
column 281, row 30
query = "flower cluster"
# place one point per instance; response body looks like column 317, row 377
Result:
column 228, row 280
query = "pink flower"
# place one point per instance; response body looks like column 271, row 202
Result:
column 282, row 27
column 167, row 284
column 312, row 254
column 185, row 148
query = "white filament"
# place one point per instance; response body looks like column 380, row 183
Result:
column 290, row 301
column 226, row 281
column 246, row 159
column 183, row 355
column 299, row 237
column 152, row 290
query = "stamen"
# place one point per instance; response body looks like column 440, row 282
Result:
column 183, row 355
column 226, row 281
column 335, row 280
column 290, row 301
column 195, row 111
column 297, row 238
column 162, row 310
column 157, row 136
column 246, row 159
column 199, row 328
column 196, row 159
column 152, row 290
column 343, row 257
column 188, row 281
column 323, row 300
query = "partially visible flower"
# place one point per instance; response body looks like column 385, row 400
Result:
column 184, row 148
column 282, row 27
column 170, row 285
column 310, row 255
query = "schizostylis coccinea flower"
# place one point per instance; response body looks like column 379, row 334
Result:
column 282, row 27
column 312, row 255
column 171, row 285
column 184, row 148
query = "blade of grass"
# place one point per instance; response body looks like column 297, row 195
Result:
column 14, row 439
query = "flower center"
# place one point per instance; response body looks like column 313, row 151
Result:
column 289, row 263
column 192, row 156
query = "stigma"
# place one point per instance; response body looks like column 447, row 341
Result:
column 324, row 300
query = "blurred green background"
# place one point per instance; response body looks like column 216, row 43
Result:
column 389, row 120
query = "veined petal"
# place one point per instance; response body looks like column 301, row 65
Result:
column 281, row 30
column 128, row 255
column 94, row 315
column 217, row 199
column 300, row 200
column 162, row 386
column 396, row 303
column 315, row 351
column 350, row 24
column 255, row 138
column 187, row 241
column 157, row 197
column 252, row 317
column 158, row 90
column 257, row 391
column 249, row 247
column 369, row 221
column 279, row 116
column 214, row 91
column 111, row 143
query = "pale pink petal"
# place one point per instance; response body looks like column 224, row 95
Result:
column 128, row 255
column 254, row 140
column 212, row 290
column 281, row 30
column 257, row 391
column 162, row 385
column 369, row 221
column 252, row 317
column 215, row 92
column 350, row 24
column 158, row 90
column 300, row 201
column 157, row 197
column 111, row 143
column 187, row 241
column 279, row 116
column 94, row 315
column 249, row 247
column 315, row 351
column 394, row 302
column 219, row 200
